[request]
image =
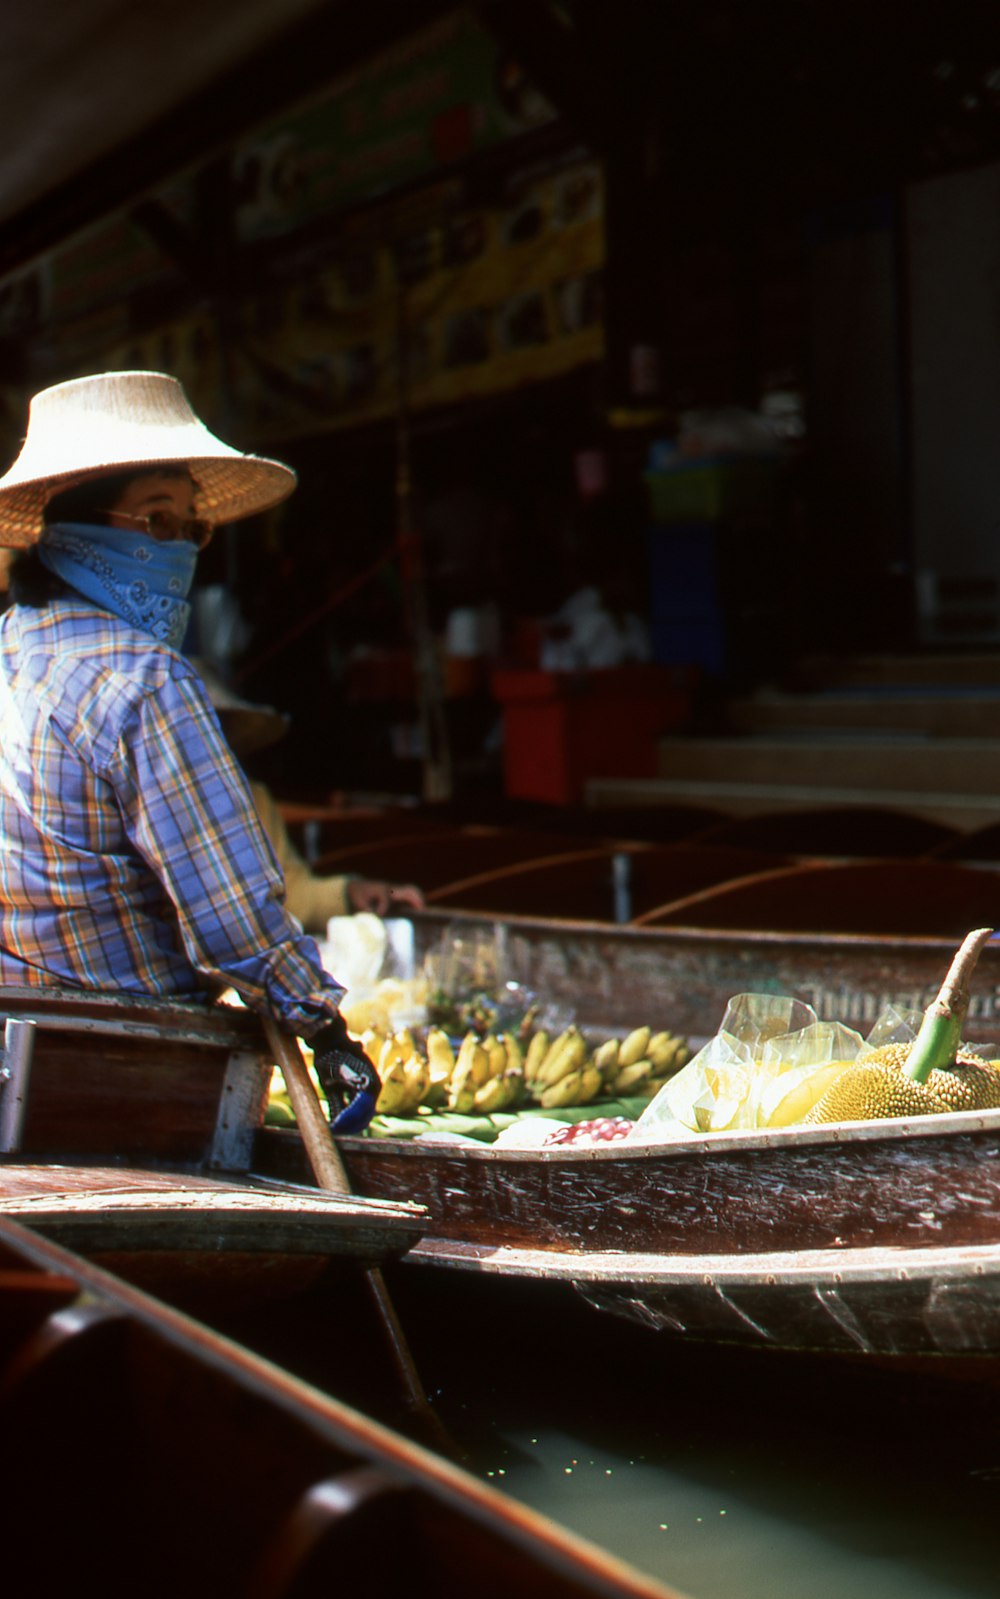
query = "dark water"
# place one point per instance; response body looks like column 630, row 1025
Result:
column 727, row 1474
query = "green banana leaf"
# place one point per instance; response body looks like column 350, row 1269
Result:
column 486, row 1128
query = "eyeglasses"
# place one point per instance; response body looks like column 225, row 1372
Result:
column 166, row 525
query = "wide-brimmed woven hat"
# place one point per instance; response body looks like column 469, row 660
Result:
column 247, row 725
column 118, row 421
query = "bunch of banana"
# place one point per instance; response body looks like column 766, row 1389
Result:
column 492, row 1071
column 564, row 1071
column 488, row 1074
column 404, row 1072
column 642, row 1061
column 559, row 1071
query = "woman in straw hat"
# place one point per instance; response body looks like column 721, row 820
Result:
column 131, row 855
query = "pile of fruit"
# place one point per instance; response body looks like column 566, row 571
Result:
column 489, row 1072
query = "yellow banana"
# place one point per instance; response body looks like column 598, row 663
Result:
column 464, row 1079
column 439, row 1051
column 535, row 1053
column 440, row 1065
column 394, row 1092
column 660, row 1049
column 494, row 1095
column 555, row 1045
column 513, row 1052
column 372, row 1042
column 590, row 1083
column 631, row 1077
column 667, row 1053
column 568, row 1058
column 461, row 1091
column 606, row 1060
column 633, row 1048
column 418, row 1077
column 496, row 1054
column 472, row 1054
column 563, row 1092
column 395, row 1050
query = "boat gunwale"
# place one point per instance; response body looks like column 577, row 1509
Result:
column 901, row 1128
column 833, row 1268
column 134, row 1015
column 694, row 934
column 336, row 1423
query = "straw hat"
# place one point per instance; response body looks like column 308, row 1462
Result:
column 247, row 726
column 118, row 421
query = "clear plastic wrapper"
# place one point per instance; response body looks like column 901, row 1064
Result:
column 771, row 1059
column 374, row 960
column 470, row 984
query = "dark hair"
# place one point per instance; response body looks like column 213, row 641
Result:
column 88, row 501
column 31, row 583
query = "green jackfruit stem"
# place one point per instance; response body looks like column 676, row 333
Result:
column 940, row 1035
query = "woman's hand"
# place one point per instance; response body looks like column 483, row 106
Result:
column 365, row 894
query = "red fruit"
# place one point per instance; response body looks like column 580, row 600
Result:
column 602, row 1129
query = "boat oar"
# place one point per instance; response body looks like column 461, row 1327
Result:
column 328, row 1169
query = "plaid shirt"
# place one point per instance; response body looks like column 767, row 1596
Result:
column 131, row 855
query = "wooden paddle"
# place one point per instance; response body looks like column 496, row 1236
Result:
column 328, row 1169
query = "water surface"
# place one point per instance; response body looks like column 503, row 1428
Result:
column 727, row 1474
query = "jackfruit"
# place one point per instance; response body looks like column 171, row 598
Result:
column 970, row 1084
column 869, row 1091
column 926, row 1078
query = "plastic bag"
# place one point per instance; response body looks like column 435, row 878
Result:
column 375, row 962
column 719, row 1088
column 471, row 984
column 797, row 1070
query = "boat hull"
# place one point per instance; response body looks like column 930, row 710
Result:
column 878, row 1238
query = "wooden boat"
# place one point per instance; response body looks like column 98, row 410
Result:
column 882, row 1239
column 878, row 1239
column 683, row 976
column 126, row 1132
column 145, row 1453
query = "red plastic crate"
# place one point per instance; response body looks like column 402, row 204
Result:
column 562, row 728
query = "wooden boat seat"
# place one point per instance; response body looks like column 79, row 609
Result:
column 142, row 1080
column 339, row 1524
column 879, row 831
column 652, row 824
column 582, row 885
column 934, row 899
column 435, row 859
column 980, row 844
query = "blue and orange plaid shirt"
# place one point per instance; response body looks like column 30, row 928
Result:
column 131, row 855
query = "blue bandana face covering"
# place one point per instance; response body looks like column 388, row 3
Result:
column 143, row 580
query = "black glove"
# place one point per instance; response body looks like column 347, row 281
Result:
column 347, row 1077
